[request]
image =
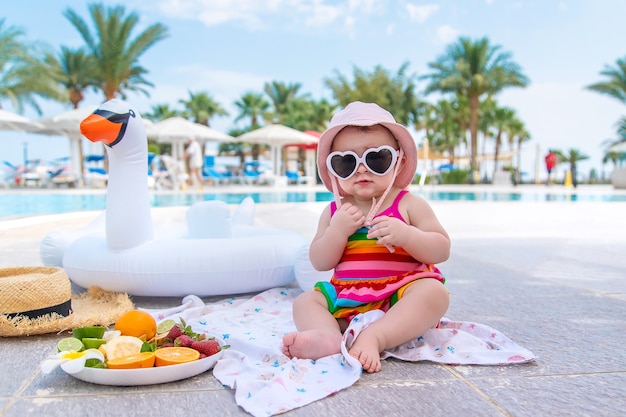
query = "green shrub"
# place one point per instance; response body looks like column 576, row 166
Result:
column 458, row 176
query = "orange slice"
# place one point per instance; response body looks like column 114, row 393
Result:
column 139, row 360
column 175, row 355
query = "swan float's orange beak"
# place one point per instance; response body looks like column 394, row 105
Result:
column 105, row 126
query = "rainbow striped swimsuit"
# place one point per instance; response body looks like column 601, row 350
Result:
column 368, row 276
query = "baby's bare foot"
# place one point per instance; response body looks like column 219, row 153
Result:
column 311, row 344
column 366, row 350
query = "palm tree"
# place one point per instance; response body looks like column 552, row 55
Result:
column 23, row 75
column 572, row 157
column 322, row 113
column 281, row 95
column 487, row 110
column 395, row 93
column 115, row 52
column 74, row 71
column 517, row 134
column 161, row 112
column 474, row 69
column 305, row 114
column 615, row 83
column 444, row 124
column 616, row 157
column 614, row 86
column 201, row 107
column 503, row 117
column 252, row 106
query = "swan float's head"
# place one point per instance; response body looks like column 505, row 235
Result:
column 108, row 123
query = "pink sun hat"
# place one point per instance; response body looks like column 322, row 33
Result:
column 367, row 114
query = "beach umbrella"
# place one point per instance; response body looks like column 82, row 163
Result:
column 277, row 136
column 68, row 124
column 177, row 130
column 12, row 121
column 310, row 149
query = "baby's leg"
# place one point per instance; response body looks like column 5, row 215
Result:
column 421, row 307
column 318, row 332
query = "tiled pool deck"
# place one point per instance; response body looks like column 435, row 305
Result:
column 549, row 274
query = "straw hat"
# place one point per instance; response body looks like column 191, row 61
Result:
column 38, row 300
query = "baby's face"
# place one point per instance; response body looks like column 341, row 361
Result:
column 364, row 184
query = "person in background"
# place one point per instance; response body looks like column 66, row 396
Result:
column 193, row 152
column 551, row 160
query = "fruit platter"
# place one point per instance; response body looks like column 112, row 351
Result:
column 137, row 351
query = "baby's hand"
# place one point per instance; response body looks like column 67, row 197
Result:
column 388, row 231
column 347, row 219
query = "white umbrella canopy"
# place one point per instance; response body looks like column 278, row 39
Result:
column 277, row 136
column 12, row 121
column 65, row 123
column 68, row 124
column 177, row 130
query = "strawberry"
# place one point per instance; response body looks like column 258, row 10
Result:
column 174, row 333
column 183, row 341
column 181, row 329
column 207, row 347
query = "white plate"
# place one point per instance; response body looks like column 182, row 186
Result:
column 147, row 376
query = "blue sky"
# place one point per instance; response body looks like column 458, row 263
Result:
column 230, row 47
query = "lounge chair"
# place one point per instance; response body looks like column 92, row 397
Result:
column 294, row 177
column 214, row 176
column 251, row 177
column 95, row 175
column 11, row 174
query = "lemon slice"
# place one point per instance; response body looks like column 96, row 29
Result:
column 122, row 346
column 165, row 326
column 70, row 344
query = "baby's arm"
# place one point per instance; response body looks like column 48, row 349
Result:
column 422, row 236
column 332, row 234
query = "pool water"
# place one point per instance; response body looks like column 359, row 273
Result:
column 36, row 203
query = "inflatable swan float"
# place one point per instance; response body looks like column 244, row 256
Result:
column 217, row 254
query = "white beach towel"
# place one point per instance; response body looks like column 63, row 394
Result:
column 266, row 382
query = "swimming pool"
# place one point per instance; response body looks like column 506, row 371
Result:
column 27, row 203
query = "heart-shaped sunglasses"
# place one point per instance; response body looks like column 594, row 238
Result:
column 378, row 161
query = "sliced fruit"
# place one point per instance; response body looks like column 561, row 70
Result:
column 137, row 323
column 139, row 360
column 70, row 344
column 165, row 326
column 110, row 334
column 175, row 355
column 92, row 342
column 89, row 331
column 121, row 346
column 158, row 339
